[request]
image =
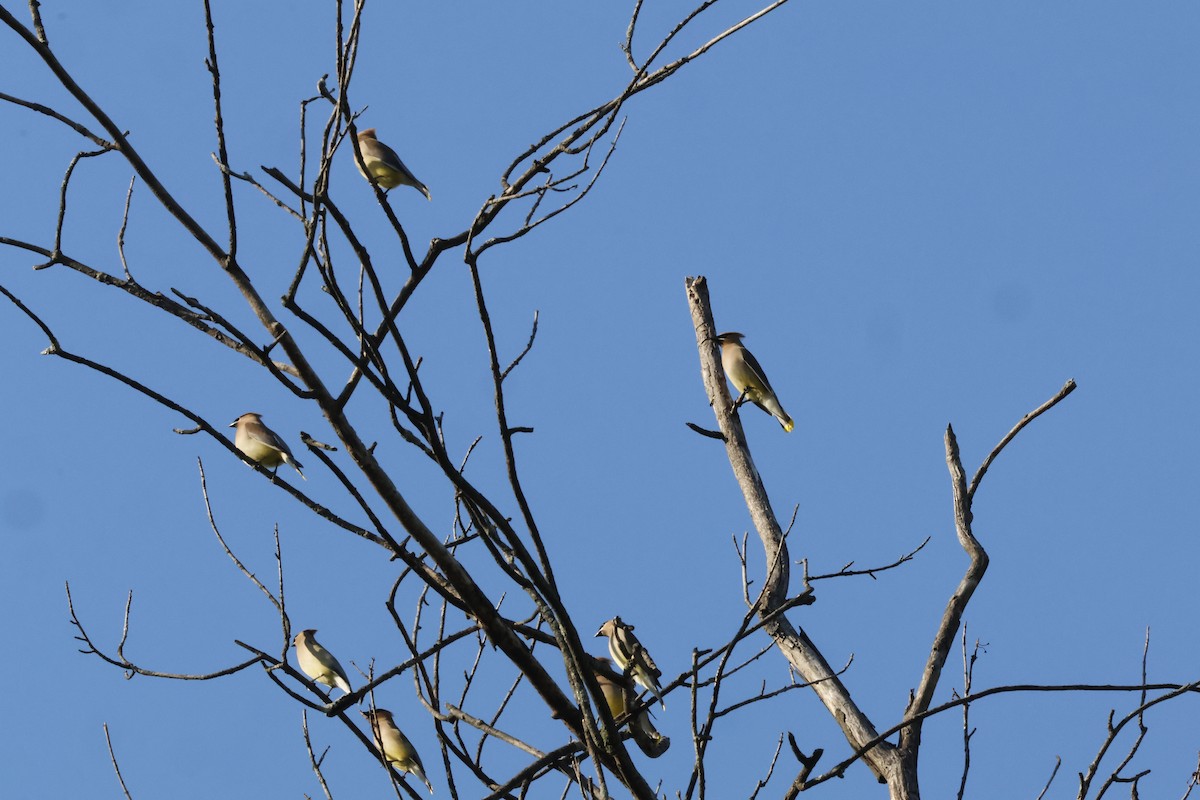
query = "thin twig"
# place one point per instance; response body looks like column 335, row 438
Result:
column 116, row 767
column 1067, row 388
column 870, row 571
column 130, row 668
column 1050, row 780
column 312, row 757
column 1172, row 690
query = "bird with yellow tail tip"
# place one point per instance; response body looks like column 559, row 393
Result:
column 382, row 162
column 394, row 745
column 747, row 376
column 619, row 696
column 318, row 663
column 631, row 656
column 259, row 443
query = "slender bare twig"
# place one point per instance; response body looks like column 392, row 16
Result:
column 870, row 571
column 1193, row 781
column 1050, row 780
column 1067, row 388
column 312, row 757
column 124, row 226
column 116, row 767
column 219, row 122
column 130, row 668
column 1085, row 780
column 491, row 731
column 56, row 251
column 763, row 781
column 968, row 731
column 250, row 576
column 238, row 343
column 525, row 351
column 53, row 114
column 117, row 135
column 1172, row 690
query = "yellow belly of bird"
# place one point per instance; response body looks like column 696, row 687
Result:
column 745, row 385
column 388, row 178
column 267, row 456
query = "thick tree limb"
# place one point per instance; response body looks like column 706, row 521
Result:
column 795, row 645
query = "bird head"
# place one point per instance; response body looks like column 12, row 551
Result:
column 380, row 713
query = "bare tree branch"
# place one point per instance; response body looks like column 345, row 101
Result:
column 1067, row 388
column 116, row 767
column 799, row 650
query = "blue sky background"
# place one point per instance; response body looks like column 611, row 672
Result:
column 919, row 214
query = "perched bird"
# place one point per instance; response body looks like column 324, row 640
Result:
column 318, row 663
column 394, row 745
column 743, row 369
column 631, row 656
column 261, row 444
column 619, row 695
column 382, row 162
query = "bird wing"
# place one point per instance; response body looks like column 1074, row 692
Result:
column 633, row 650
column 753, row 365
column 337, row 667
column 266, row 436
column 329, row 660
column 391, row 159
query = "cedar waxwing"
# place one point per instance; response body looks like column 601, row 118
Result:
column 318, row 663
column 382, row 162
column 394, row 745
column 618, row 694
column 261, row 444
column 747, row 376
column 631, row 656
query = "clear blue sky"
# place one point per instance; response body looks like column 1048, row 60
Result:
column 919, row 214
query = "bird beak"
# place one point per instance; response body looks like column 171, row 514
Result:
column 233, row 424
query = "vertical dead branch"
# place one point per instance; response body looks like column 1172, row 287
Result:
column 910, row 737
column 795, row 645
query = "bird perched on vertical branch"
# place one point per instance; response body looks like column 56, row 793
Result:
column 394, row 745
column 747, row 376
column 260, row 443
column 631, row 656
column 382, row 162
column 318, row 663
column 619, row 695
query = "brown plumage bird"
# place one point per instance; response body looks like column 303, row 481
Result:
column 631, row 656
column 747, row 376
column 318, row 663
column 394, row 745
column 619, row 696
column 382, row 162
column 260, row 443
